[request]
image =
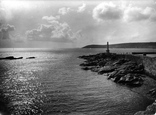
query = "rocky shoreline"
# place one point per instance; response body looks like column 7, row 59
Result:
column 124, row 69
column 14, row 58
column 119, row 68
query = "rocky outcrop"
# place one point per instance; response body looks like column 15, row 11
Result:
column 30, row 58
column 150, row 66
column 10, row 58
column 14, row 58
column 152, row 93
column 127, row 70
column 121, row 69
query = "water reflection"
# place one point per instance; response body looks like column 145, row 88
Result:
column 54, row 84
column 23, row 90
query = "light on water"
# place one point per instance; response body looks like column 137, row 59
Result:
column 54, row 84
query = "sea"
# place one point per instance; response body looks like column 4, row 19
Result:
column 53, row 83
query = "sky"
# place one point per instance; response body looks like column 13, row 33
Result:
column 73, row 23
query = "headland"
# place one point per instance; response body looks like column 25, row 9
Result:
column 125, row 69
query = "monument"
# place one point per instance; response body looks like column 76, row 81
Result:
column 107, row 51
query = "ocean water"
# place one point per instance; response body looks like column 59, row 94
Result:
column 54, row 84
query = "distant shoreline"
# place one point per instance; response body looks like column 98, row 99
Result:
column 125, row 45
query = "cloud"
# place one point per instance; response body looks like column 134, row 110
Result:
column 138, row 14
column 4, row 31
column 82, row 8
column 64, row 10
column 107, row 11
column 50, row 18
column 124, row 12
column 9, row 28
column 55, row 31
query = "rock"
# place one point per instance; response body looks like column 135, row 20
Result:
column 106, row 69
column 121, row 70
column 112, row 75
column 91, row 63
column 138, row 83
column 116, row 76
column 10, row 58
column 122, row 80
column 102, row 63
column 121, row 61
column 82, row 64
column 152, row 92
column 116, row 79
column 30, row 57
column 133, row 80
column 129, row 79
column 95, row 69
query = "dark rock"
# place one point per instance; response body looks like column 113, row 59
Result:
column 152, row 92
column 91, row 63
column 112, row 75
column 10, row 58
column 106, row 69
column 102, row 63
column 121, row 69
column 82, row 64
column 131, row 80
column 128, row 79
column 136, row 84
column 122, row 80
column 121, row 61
column 85, row 68
column 95, row 69
column 117, row 78
column 30, row 57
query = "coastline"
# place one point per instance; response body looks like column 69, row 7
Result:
column 136, row 72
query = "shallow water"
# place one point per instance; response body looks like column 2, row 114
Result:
column 54, row 84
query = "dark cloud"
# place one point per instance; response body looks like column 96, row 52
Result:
column 55, row 31
column 4, row 31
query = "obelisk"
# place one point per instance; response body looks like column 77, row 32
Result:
column 107, row 51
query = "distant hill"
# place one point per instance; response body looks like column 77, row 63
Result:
column 125, row 45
